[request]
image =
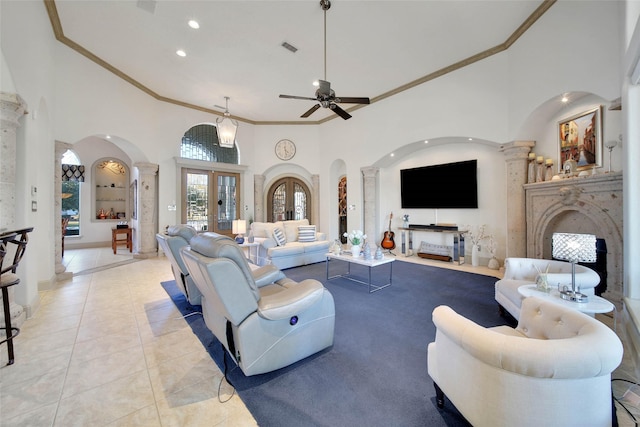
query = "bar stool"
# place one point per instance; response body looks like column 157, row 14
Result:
column 8, row 277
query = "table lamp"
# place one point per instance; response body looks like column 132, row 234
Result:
column 239, row 227
column 574, row 248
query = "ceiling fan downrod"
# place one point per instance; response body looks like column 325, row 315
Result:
column 325, row 5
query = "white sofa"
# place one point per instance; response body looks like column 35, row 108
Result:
column 524, row 271
column 554, row 369
column 293, row 252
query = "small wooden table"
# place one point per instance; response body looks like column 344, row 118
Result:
column 115, row 241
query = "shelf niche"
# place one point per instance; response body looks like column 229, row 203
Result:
column 110, row 190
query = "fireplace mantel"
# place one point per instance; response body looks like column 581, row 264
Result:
column 590, row 204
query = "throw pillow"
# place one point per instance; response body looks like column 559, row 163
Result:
column 279, row 237
column 306, row 233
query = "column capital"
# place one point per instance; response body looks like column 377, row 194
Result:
column 12, row 107
column 369, row 171
column 147, row 168
column 517, row 150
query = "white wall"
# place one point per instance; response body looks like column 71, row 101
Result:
column 490, row 101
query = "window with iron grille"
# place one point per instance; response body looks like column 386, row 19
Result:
column 201, row 143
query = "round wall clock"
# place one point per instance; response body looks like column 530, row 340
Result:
column 285, row 149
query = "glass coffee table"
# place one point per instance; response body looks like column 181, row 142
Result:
column 370, row 263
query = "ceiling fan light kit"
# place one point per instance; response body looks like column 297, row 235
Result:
column 226, row 128
column 325, row 96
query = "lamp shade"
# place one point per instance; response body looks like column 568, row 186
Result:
column 239, row 226
column 574, row 247
column 226, row 131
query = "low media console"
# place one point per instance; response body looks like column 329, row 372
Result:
column 457, row 249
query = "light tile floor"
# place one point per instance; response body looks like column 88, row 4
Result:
column 109, row 348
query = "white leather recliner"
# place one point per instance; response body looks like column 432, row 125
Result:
column 554, row 369
column 177, row 237
column 264, row 320
column 524, row 271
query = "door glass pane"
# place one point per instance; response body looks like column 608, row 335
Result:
column 279, row 202
column 71, row 207
column 197, row 200
column 226, row 202
column 300, row 201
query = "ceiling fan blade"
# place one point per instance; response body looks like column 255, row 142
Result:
column 310, row 111
column 324, row 88
column 352, row 100
column 339, row 111
column 298, row 97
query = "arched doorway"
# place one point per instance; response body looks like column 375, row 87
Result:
column 288, row 198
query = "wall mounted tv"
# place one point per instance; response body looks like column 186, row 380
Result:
column 449, row 185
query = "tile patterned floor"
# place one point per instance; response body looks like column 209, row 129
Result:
column 109, row 348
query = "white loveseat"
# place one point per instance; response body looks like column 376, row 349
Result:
column 554, row 369
column 524, row 271
column 297, row 249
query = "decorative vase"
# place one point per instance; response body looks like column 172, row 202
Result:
column 355, row 251
column 493, row 263
column 379, row 254
column 366, row 251
column 475, row 255
column 542, row 284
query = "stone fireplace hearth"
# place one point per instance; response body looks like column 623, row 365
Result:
column 592, row 205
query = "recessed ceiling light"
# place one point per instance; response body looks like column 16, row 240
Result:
column 392, row 154
column 181, row 52
column 316, row 83
column 565, row 98
column 108, row 137
column 194, row 24
column 470, row 139
column 426, row 141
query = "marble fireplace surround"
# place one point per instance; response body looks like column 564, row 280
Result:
column 591, row 204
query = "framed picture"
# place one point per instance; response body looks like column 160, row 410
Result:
column 580, row 139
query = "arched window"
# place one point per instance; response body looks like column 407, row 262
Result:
column 201, row 143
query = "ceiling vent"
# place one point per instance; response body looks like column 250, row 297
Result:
column 148, row 5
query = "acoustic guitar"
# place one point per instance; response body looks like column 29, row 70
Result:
column 387, row 240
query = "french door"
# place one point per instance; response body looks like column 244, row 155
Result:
column 211, row 200
column 288, row 198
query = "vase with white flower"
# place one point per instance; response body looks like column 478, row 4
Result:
column 475, row 235
column 356, row 238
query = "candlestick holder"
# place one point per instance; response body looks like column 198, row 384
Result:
column 610, row 146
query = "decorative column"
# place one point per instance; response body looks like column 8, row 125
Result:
column 370, row 198
column 315, row 204
column 60, row 269
column 258, row 200
column 12, row 108
column 516, row 154
column 147, row 210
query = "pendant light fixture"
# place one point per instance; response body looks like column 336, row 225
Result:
column 226, row 128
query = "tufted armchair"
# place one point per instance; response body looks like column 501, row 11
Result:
column 524, row 271
column 553, row 369
column 263, row 326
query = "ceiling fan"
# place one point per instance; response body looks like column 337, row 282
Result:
column 325, row 96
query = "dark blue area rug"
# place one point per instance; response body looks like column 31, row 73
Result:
column 375, row 374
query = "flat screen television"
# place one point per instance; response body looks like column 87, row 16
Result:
column 449, row 185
